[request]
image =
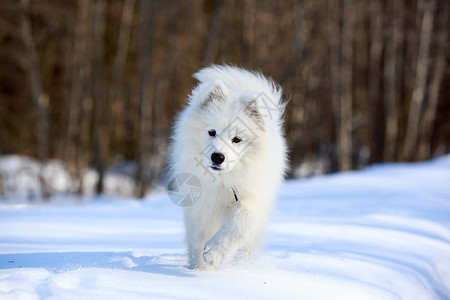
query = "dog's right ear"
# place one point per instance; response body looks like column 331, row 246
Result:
column 209, row 93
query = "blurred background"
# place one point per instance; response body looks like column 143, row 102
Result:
column 89, row 88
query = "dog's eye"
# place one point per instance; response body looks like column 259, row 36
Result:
column 236, row 139
column 212, row 132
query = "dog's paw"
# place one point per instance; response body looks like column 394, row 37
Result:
column 215, row 253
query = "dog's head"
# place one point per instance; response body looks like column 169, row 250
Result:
column 230, row 125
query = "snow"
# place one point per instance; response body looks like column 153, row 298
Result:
column 23, row 179
column 380, row 233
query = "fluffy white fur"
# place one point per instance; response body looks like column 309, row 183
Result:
column 235, row 103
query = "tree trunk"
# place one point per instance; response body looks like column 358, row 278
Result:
column 144, row 107
column 391, row 81
column 376, row 49
column 440, row 64
column 418, row 96
column 116, row 87
column 346, row 114
column 212, row 41
column 101, row 104
column 361, row 104
column 76, row 105
column 334, row 36
column 38, row 99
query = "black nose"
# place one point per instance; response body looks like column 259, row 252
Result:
column 217, row 158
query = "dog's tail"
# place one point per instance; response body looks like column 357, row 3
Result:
column 242, row 79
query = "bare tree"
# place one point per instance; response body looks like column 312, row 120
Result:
column 101, row 104
column 362, row 109
column 38, row 99
column 216, row 22
column 116, row 87
column 418, row 95
column 341, row 47
column 144, row 106
column 376, row 49
column 346, row 76
column 334, row 34
column 440, row 65
column 79, row 103
column 391, row 78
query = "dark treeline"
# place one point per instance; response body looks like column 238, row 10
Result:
column 93, row 82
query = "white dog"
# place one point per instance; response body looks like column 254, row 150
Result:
column 229, row 139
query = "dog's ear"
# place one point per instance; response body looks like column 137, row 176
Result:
column 252, row 108
column 217, row 92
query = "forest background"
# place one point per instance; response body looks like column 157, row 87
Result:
column 96, row 84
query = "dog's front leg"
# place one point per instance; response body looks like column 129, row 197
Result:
column 230, row 238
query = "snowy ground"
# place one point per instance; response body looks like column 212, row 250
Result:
column 381, row 233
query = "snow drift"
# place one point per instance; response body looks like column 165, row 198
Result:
column 381, row 233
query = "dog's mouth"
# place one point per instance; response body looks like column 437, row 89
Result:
column 216, row 168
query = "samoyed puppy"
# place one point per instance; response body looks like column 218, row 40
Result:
column 228, row 139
